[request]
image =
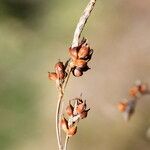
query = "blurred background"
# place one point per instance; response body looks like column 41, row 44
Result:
column 34, row 34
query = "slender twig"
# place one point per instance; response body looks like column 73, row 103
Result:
column 82, row 22
column 61, row 90
column 67, row 79
column 60, row 97
column 66, row 142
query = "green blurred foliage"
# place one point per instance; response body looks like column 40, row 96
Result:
column 35, row 34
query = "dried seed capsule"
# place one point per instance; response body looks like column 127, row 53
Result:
column 59, row 67
column 134, row 91
column 122, row 106
column 86, row 68
column 88, row 58
column 52, row 76
column 73, row 53
column 61, row 75
column 64, row 124
column 72, row 130
column 143, row 88
column 81, row 107
column 77, row 72
column 60, row 70
column 69, row 110
column 84, row 51
column 84, row 114
column 80, row 63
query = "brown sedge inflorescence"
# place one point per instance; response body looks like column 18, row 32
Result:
column 78, row 62
column 60, row 73
column 127, row 107
column 76, row 110
column 80, row 56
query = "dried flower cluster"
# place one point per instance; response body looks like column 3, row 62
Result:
column 79, row 58
column 77, row 64
column 59, row 74
column 75, row 112
column 128, row 106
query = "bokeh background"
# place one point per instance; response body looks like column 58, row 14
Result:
column 34, row 34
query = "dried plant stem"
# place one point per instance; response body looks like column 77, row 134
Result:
column 58, row 118
column 67, row 79
column 66, row 142
column 82, row 22
column 61, row 89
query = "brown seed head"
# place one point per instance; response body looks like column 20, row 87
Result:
column 122, row 106
column 73, row 53
column 90, row 55
column 52, row 76
column 81, row 107
column 77, row 72
column 59, row 66
column 61, row 75
column 134, row 91
column 84, row 51
column 64, row 124
column 143, row 88
column 84, row 114
column 60, row 70
column 80, row 63
column 72, row 130
column 69, row 110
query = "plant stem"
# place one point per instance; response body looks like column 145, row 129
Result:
column 66, row 142
column 61, row 89
column 58, row 118
column 67, row 79
column 82, row 22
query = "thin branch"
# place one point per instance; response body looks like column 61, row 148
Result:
column 82, row 22
column 66, row 143
column 61, row 90
column 67, row 79
column 58, row 118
